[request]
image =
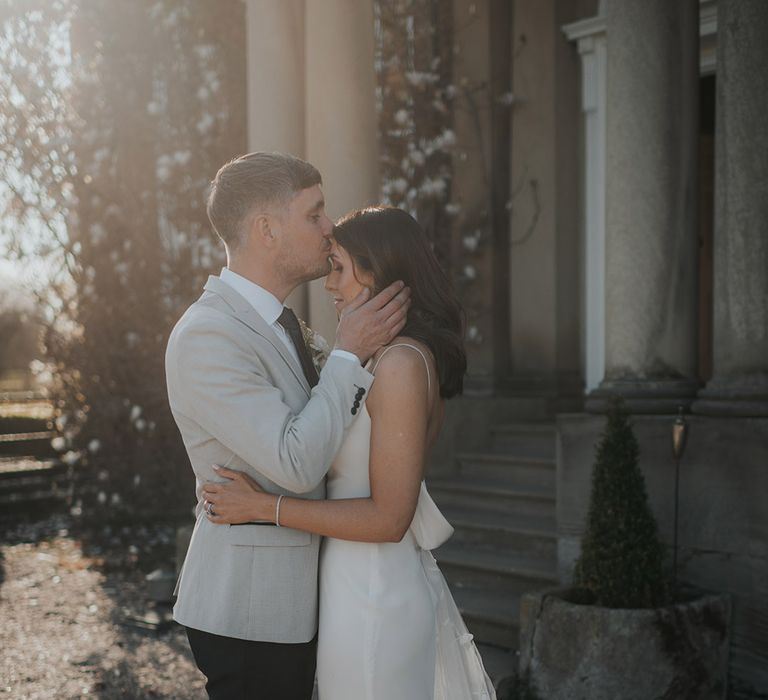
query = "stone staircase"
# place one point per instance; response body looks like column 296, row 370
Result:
column 501, row 502
column 33, row 481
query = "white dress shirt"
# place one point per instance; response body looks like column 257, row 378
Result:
column 269, row 308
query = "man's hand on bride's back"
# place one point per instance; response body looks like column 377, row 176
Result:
column 368, row 324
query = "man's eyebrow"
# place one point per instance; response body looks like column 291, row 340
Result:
column 319, row 204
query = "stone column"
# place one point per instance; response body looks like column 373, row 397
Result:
column 590, row 35
column 275, row 89
column 533, row 269
column 739, row 385
column 341, row 122
column 651, row 246
column 543, row 196
column 276, row 75
column 480, row 185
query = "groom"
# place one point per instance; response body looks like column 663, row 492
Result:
column 245, row 394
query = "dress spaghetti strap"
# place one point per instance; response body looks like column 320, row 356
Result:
column 405, row 345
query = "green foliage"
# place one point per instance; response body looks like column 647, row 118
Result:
column 622, row 558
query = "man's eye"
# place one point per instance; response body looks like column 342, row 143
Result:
column 315, row 218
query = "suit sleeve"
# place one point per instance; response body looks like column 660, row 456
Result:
column 223, row 386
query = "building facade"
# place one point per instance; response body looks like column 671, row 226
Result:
column 624, row 188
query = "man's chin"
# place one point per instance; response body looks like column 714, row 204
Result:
column 305, row 277
column 317, row 272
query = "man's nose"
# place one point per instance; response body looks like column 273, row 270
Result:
column 328, row 227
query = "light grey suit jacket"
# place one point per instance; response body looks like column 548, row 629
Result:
column 241, row 400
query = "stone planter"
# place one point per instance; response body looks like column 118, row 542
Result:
column 584, row 652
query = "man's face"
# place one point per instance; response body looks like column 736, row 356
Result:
column 305, row 237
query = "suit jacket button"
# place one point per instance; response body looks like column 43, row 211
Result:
column 356, row 404
column 354, row 410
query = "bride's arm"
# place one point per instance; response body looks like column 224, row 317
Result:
column 398, row 404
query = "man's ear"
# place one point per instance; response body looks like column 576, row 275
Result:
column 264, row 229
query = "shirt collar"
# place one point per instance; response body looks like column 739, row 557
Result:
column 265, row 303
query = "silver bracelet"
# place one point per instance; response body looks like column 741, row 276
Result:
column 277, row 510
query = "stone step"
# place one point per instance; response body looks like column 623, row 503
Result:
column 526, row 427
column 523, row 534
column 492, row 617
column 512, row 409
column 35, row 443
column 23, row 396
column 35, row 508
column 32, row 486
column 492, row 495
column 491, row 570
column 23, row 424
column 500, row 663
column 16, row 471
column 515, row 470
column 525, row 439
column 29, row 407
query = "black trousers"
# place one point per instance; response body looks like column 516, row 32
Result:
column 238, row 669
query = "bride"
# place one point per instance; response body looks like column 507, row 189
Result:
column 389, row 628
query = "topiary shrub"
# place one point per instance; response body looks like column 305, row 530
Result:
column 622, row 559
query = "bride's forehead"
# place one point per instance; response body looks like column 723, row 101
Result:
column 338, row 252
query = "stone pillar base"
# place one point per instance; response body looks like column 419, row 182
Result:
column 553, row 384
column 663, row 396
column 744, row 395
column 566, row 389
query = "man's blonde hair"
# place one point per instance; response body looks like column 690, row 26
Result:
column 253, row 181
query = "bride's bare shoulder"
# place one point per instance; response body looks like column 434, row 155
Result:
column 400, row 355
column 403, row 378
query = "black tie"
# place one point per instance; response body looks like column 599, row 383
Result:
column 289, row 321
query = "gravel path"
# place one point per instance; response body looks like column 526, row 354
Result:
column 64, row 605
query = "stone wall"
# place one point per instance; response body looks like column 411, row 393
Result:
column 723, row 520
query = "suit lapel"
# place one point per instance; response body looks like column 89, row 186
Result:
column 245, row 313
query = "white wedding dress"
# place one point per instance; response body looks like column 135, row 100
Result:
column 389, row 628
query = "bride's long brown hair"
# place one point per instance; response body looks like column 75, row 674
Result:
column 391, row 245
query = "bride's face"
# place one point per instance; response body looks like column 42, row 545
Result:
column 344, row 281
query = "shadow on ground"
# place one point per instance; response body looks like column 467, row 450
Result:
column 74, row 594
